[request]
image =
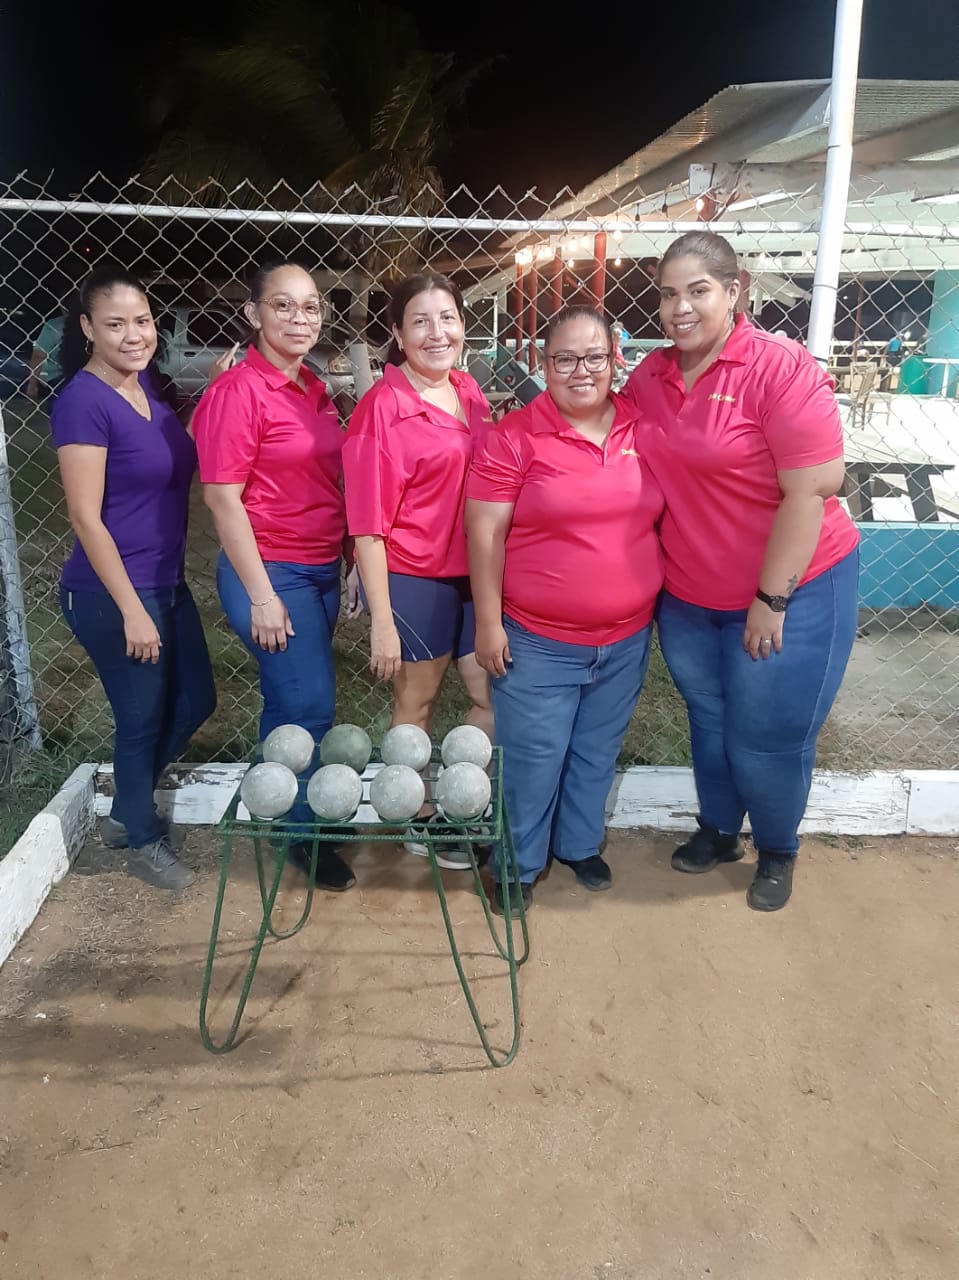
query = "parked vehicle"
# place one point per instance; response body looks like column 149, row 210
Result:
column 194, row 336
column 15, row 348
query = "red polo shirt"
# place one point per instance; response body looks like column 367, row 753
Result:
column 764, row 405
column 583, row 563
column 255, row 427
column 405, row 464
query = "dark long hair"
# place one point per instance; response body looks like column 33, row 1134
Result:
column 74, row 351
column 403, row 295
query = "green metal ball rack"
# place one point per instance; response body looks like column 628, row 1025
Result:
column 276, row 837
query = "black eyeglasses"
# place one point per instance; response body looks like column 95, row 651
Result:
column 287, row 309
column 595, row 362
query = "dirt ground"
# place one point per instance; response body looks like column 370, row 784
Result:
column 701, row 1091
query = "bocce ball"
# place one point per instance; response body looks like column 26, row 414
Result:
column 269, row 789
column 334, row 792
column 289, row 744
column 467, row 744
column 397, row 792
column 463, row 791
column 346, row 744
column 406, row 744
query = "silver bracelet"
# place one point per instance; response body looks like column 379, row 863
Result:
column 258, row 604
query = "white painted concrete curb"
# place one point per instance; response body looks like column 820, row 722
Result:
column 43, row 855
column 909, row 802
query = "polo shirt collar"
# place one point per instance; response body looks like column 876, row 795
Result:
column 737, row 349
column 409, row 402
column 546, row 419
column 275, row 378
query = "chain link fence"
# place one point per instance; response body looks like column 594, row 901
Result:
column 895, row 357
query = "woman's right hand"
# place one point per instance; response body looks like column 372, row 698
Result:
column 142, row 637
column 492, row 649
column 385, row 658
column 270, row 624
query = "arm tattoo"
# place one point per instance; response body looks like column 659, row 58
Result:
column 792, row 584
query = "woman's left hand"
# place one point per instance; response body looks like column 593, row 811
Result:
column 764, row 631
column 222, row 363
column 354, row 606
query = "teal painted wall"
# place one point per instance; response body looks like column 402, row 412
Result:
column 907, row 565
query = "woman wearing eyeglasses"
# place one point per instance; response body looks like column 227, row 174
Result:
column 565, row 567
column 269, row 443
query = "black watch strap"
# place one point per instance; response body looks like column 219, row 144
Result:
column 776, row 603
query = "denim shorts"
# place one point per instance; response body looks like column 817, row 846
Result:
column 434, row 616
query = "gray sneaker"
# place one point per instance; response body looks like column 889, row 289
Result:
column 114, row 835
column 450, row 855
column 158, row 865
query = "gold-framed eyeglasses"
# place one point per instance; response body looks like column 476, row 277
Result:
column 595, row 361
column 288, row 309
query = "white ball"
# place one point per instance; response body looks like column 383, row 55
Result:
column 334, row 792
column 268, row 790
column 346, row 744
column 289, row 744
column 397, row 793
column 466, row 743
column 463, row 791
column 406, row 744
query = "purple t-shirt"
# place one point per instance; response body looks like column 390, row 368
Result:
column 149, row 470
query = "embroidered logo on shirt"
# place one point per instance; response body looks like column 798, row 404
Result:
column 629, row 453
column 715, row 395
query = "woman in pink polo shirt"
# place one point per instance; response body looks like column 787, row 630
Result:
column 269, row 443
column 408, row 447
column 566, row 569
column 759, row 613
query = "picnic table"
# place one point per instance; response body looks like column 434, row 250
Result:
column 876, row 446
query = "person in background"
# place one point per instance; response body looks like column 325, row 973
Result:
column 45, row 373
column 566, row 568
column 269, row 442
column 759, row 611
column 127, row 464
column 408, row 448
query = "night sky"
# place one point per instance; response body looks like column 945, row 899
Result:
column 571, row 96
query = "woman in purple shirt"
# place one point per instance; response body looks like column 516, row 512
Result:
column 127, row 464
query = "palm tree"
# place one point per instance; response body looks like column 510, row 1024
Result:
column 340, row 103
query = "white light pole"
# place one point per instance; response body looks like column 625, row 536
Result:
column 842, row 113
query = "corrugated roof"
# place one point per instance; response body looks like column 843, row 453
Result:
column 788, row 121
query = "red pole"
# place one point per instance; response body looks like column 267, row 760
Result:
column 532, row 319
column 556, row 285
column 518, row 308
column 598, row 285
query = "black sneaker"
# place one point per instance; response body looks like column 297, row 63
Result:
column 520, row 895
column 331, row 871
column 773, row 882
column 592, row 873
column 705, row 849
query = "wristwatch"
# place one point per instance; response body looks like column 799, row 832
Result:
column 776, row 603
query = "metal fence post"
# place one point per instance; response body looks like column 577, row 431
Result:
column 18, row 708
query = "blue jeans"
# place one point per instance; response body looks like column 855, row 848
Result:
column 156, row 707
column 298, row 683
column 561, row 712
column 754, row 725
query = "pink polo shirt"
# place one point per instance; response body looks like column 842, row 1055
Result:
column 255, row 427
column 583, row 563
column 405, row 464
column 764, row 405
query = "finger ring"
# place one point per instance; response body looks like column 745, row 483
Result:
column 766, row 640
